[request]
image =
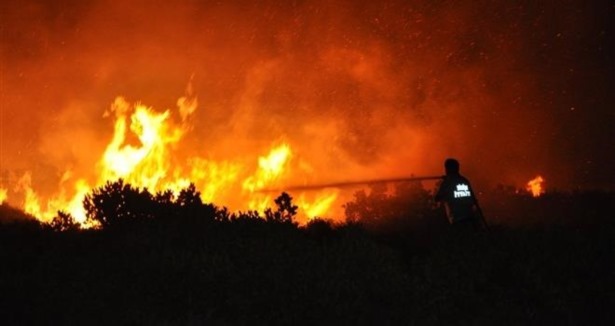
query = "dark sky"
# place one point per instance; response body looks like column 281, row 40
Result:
column 512, row 88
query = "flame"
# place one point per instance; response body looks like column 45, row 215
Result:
column 75, row 205
column 213, row 178
column 319, row 206
column 31, row 203
column 143, row 152
column 535, row 187
column 145, row 165
column 3, row 195
column 269, row 169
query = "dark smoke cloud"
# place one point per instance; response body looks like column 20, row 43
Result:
column 379, row 88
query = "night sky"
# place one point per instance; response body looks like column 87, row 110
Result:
column 380, row 88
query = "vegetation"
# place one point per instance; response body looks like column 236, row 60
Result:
column 157, row 259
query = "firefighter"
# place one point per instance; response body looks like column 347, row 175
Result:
column 458, row 198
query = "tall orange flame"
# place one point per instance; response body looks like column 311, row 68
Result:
column 31, row 202
column 535, row 187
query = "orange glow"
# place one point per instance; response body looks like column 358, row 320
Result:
column 535, row 186
column 288, row 94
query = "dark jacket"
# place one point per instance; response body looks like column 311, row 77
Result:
column 458, row 197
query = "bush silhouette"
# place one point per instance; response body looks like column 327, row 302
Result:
column 64, row 222
column 407, row 205
column 116, row 203
column 189, row 197
column 320, row 228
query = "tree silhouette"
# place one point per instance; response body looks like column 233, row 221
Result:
column 285, row 212
column 189, row 197
column 190, row 206
column 116, row 203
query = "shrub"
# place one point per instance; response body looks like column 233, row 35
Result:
column 408, row 204
column 118, row 202
column 64, row 222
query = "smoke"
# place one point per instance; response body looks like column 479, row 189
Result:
column 358, row 89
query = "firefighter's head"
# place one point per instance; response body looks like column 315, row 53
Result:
column 451, row 166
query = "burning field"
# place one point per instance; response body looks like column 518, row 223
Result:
column 146, row 152
column 274, row 94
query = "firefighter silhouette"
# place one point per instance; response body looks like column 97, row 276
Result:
column 458, row 198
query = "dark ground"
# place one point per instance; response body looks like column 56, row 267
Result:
column 558, row 269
